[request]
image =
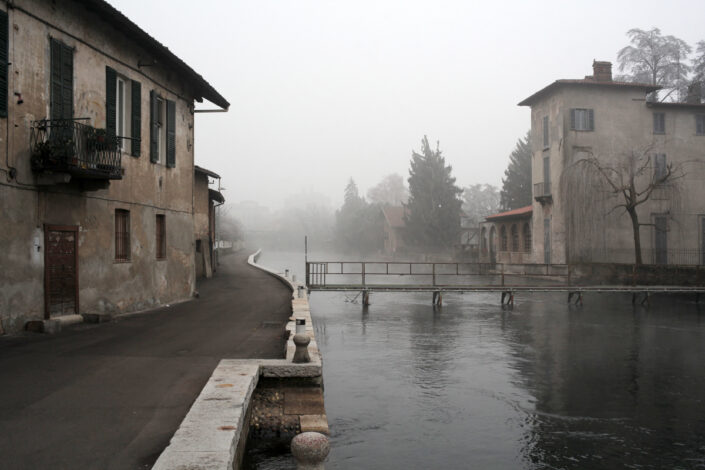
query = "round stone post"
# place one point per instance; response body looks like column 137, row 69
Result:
column 301, row 341
column 310, row 449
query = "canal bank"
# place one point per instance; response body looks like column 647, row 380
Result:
column 542, row 384
column 260, row 400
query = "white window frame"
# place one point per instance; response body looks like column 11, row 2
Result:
column 123, row 108
column 161, row 130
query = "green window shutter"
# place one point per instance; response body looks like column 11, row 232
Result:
column 136, row 119
column 153, row 127
column 67, row 81
column 591, row 120
column 56, row 88
column 110, row 100
column 170, row 134
column 3, row 63
column 572, row 119
column 61, row 80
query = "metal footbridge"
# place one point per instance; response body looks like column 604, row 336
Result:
column 506, row 279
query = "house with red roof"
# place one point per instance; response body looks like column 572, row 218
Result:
column 506, row 237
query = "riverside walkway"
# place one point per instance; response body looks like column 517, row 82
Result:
column 110, row 396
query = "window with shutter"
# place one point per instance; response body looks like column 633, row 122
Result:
column 61, row 80
column 659, row 123
column 110, row 101
column 136, row 118
column 3, row 63
column 122, row 235
column 659, row 166
column 545, row 132
column 582, row 119
column 700, row 124
column 170, row 134
column 154, row 127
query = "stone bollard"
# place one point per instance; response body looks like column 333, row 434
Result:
column 301, row 341
column 310, row 449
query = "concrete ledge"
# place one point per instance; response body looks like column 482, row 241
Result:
column 215, row 427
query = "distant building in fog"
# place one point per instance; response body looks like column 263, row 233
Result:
column 573, row 216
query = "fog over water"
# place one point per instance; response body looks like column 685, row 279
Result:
column 328, row 90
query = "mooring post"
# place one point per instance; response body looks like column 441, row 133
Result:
column 437, row 298
column 301, row 341
column 310, row 449
column 366, row 298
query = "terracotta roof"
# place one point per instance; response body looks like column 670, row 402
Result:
column 394, row 216
column 586, row 82
column 522, row 212
column 161, row 54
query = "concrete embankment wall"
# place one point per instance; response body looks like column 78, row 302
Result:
column 212, row 436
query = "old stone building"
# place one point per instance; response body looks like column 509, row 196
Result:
column 97, row 171
column 204, row 204
column 576, row 215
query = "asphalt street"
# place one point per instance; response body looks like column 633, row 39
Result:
column 110, row 396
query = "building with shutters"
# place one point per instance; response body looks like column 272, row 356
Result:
column 97, row 171
column 576, row 217
column 206, row 200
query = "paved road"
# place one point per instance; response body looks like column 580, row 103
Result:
column 110, row 396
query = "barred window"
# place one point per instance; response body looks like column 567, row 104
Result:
column 161, row 236
column 122, row 235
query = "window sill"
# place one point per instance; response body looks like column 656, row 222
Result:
column 583, row 130
column 161, row 259
column 659, row 133
column 122, row 261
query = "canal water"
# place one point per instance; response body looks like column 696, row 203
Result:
column 540, row 385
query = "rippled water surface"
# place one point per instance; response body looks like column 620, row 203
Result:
column 541, row 385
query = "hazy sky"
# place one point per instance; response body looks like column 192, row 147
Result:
column 322, row 91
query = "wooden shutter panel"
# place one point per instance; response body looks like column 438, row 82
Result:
column 136, row 118
column 110, row 101
column 591, row 120
column 170, row 134
column 572, row 119
column 153, row 128
column 3, row 63
column 56, row 88
column 67, row 81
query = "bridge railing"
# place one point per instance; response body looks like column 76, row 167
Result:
column 321, row 274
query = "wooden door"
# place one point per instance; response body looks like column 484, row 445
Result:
column 60, row 270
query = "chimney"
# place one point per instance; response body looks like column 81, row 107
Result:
column 602, row 71
column 694, row 93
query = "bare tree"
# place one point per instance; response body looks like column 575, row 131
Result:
column 391, row 191
column 632, row 179
column 656, row 59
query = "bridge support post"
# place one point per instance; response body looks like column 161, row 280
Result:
column 437, row 299
column 509, row 295
column 365, row 298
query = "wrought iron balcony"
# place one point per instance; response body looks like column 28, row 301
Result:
column 542, row 192
column 69, row 146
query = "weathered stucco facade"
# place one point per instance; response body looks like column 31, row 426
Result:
column 204, row 199
column 95, row 38
column 575, row 218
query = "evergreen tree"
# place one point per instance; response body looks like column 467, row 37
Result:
column 433, row 211
column 516, row 184
column 358, row 224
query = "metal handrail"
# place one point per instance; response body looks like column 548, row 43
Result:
column 71, row 146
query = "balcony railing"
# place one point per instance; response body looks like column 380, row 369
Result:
column 542, row 192
column 67, row 145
